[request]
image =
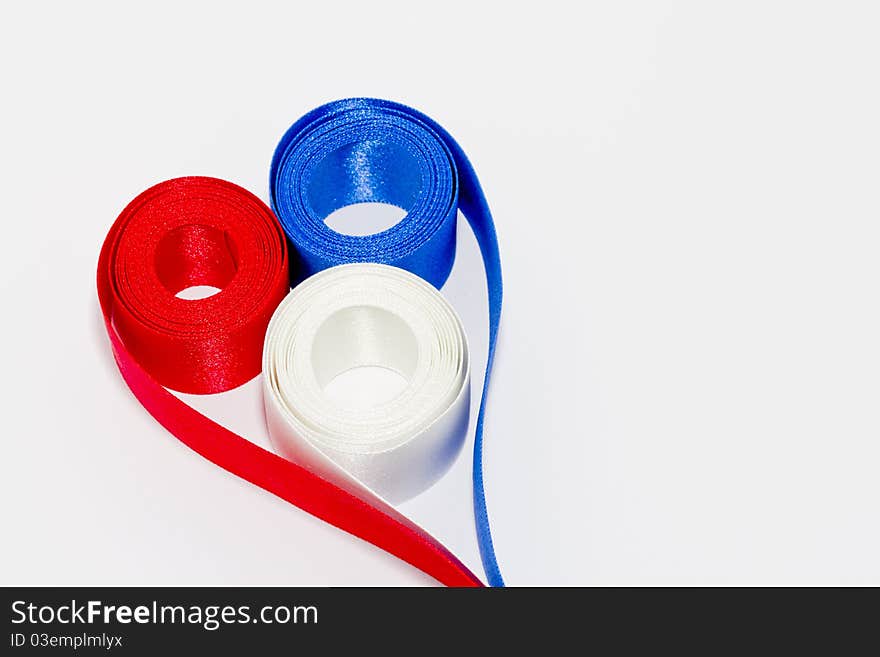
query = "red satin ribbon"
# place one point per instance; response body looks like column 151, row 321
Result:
column 204, row 231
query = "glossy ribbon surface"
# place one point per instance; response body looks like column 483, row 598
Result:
column 195, row 232
column 368, row 315
column 204, row 231
column 365, row 150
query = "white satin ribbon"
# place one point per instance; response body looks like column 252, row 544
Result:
column 358, row 315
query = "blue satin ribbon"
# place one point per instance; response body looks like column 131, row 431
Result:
column 364, row 150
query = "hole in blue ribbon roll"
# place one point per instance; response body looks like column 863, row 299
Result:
column 364, row 218
column 370, row 171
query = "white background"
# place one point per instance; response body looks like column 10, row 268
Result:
column 687, row 388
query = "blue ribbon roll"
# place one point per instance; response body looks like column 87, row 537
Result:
column 364, row 150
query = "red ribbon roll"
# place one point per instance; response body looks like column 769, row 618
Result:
column 188, row 232
column 204, row 231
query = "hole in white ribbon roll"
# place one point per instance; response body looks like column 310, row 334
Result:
column 365, row 387
column 364, row 218
column 361, row 336
column 368, row 316
column 364, row 356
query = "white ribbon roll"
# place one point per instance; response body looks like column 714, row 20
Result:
column 359, row 315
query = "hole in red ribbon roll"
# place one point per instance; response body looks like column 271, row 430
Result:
column 193, row 256
column 196, row 292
